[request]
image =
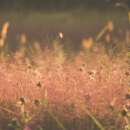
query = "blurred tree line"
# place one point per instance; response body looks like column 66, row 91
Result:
column 57, row 4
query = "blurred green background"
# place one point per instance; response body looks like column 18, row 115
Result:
column 42, row 20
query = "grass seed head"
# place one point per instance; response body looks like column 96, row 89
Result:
column 23, row 39
column 87, row 43
column 5, row 30
column 110, row 26
column 61, row 35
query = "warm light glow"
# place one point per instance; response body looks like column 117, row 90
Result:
column 23, row 39
column 87, row 43
column 110, row 26
column 61, row 35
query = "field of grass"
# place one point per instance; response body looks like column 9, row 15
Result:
column 64, row 71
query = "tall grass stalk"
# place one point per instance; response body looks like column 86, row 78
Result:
column 57, row 120
column 97, row 123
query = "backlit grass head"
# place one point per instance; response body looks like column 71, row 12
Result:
column 110, row 26
column 87, row 43
column 61, row 35
column 3, row 34
column 23, row 39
